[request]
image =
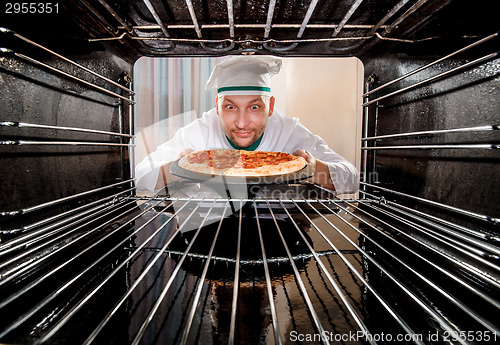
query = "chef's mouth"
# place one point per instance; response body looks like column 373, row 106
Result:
column 242, row 134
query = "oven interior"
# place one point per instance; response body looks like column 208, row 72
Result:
column 84, row 258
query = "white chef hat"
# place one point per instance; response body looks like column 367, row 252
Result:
column 244, row 75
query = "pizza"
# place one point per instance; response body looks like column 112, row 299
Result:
column 241, row 162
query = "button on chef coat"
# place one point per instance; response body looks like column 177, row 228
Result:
column 282, row 134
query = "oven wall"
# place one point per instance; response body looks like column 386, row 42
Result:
column 463, row 178
column 40, row 173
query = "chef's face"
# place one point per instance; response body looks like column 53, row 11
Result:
column 244, row 118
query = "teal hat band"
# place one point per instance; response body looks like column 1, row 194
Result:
column 243, row 88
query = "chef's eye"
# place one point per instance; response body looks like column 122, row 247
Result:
column 230, row 107
column 255, row 107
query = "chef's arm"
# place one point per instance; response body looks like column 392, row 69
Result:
column 164, row 176
column 322, row 176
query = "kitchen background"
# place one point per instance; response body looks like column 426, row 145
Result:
column 325, row 94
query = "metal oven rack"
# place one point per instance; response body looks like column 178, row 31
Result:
column 318, row 265
column 153, row 27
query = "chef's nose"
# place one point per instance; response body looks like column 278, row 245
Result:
column 242, row 120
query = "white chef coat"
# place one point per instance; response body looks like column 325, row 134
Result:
column 282, row 134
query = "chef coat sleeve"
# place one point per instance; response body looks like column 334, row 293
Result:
column 147, row 171
column 345, row 176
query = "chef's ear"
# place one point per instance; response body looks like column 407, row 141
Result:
column 217, row 104
column 271, row 105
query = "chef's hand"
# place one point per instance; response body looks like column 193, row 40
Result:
column 321, row 175
column 307, row 156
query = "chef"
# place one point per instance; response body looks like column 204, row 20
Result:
column 245, row 118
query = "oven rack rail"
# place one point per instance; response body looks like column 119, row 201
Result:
column 64, row 215
column 7, row 141
column 266, row 42
column 39, row 126
column 374, row 139
column 427, row 66
column 349, row 213
column 24, row 125
column 242, row 263
column 10, row 52
column 461, row 67
column 18, row 133
column 447, row 140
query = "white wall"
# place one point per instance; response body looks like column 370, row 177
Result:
column 325, row 94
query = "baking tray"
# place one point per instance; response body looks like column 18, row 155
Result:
column 302, row 174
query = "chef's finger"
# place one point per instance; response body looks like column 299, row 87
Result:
column 304, row 154
column 300, row 153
